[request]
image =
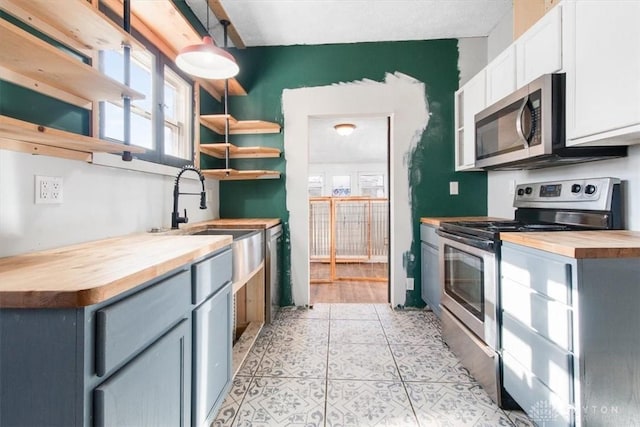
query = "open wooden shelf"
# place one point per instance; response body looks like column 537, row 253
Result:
column 29, row 56
column 17, row 130
column 235, row 152
column 164, row 20
column 238, row 175
column 216, row 122
column 75, row 20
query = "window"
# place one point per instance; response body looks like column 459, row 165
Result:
column 371, row 185
column 316, row 185
column 341, row 186
column 165, row 132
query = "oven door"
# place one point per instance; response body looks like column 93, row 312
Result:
column 468, row 276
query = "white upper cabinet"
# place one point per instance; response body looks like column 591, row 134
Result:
column 603, row 72
column 469, row 100
column 539, row 50
column 501, row 75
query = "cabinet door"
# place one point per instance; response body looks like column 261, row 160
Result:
column 501, row 75
column 470, row 100
column 431, row 278
column 539, row 50
column 603, row 83
column 212, row 360
column 151, row 390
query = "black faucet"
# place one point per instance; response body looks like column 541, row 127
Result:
column 175, row 216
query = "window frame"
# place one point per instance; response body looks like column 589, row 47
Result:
column 160, row 61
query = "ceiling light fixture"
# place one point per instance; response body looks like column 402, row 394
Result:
column 344, row 129
column 206, row 60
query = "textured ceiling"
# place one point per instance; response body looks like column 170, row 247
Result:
column 296, row 22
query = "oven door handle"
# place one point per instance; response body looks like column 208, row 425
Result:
column 487, row 245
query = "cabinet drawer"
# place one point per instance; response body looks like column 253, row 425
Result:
column 428, row 235
column 549, row 318
column 129, row 325
column 550, row 364
column 210, row 275
column 547, row 276
column 533, row 396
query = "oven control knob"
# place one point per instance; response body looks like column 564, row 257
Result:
column 576, row 188
column 520, row 191
column 528, row 190
column 590, row 189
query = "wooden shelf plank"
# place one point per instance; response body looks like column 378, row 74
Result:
column 235, row 152
column 158, row 16
column 237, row 175
column 44, row 150
column 18, row 130
column 215, row 122
column 76, row 20
column 29, row 56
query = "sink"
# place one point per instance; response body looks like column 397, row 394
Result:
column 247, row 249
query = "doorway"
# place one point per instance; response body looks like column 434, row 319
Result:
column 349, row 210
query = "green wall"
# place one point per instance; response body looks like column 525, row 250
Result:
column 267, row 71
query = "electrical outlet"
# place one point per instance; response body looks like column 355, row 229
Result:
column 48, row 189
column 453, row 188
column 409, row 283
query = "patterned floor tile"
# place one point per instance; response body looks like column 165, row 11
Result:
column 295, row 359
column 361, row 362
column 317, row 311
column 368, row 403
column 412, row 334
column 357, row 332
column 251, row 362
column 429, row 363
column 305, row 330
column 354, row 311
column 454, row 405
column 276, row 402
column 229, row 408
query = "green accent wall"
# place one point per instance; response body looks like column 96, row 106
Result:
column 267, row 71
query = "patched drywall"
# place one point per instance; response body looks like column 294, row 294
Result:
column 399, row 97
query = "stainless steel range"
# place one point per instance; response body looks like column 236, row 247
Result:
column 470, row 259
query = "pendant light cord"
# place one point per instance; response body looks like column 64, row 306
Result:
column 225, row 24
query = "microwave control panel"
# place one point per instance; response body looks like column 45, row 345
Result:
column 591, row 194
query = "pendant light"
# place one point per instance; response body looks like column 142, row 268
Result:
column 206, row 60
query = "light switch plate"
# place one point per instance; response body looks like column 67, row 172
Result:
column 453, row 188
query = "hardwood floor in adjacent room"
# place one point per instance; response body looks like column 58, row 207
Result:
column 346, row 291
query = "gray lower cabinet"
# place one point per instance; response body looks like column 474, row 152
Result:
column 159, row 354
column 569, row 341
column 212, row 356
column 151, row 390
column 430, row 273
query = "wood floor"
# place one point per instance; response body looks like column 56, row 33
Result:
column 345, row 291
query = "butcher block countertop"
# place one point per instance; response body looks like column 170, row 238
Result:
column 89, row 273
column 230, row 223
column 435, row 221
column 581, row 244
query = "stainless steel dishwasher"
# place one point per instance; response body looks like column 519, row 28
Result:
column 272, row 273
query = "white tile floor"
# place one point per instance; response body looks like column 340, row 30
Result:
column 357, row 365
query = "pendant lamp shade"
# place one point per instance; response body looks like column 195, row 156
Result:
column 207, row 61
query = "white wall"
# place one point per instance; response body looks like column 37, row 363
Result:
column 500, row 37
column 99, row 202
column 500, row 199
column 472, row 57
column 351, row 169
column 399, row 97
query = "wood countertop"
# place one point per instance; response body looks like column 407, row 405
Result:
column 435, row 221
column 254, row 223
column 89, row 273
column 581, row 244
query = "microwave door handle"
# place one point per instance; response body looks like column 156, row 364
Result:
column 519, row 129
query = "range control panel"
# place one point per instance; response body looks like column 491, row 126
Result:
column 591, row 194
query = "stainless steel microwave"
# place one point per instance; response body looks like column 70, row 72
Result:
column 526, row 130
